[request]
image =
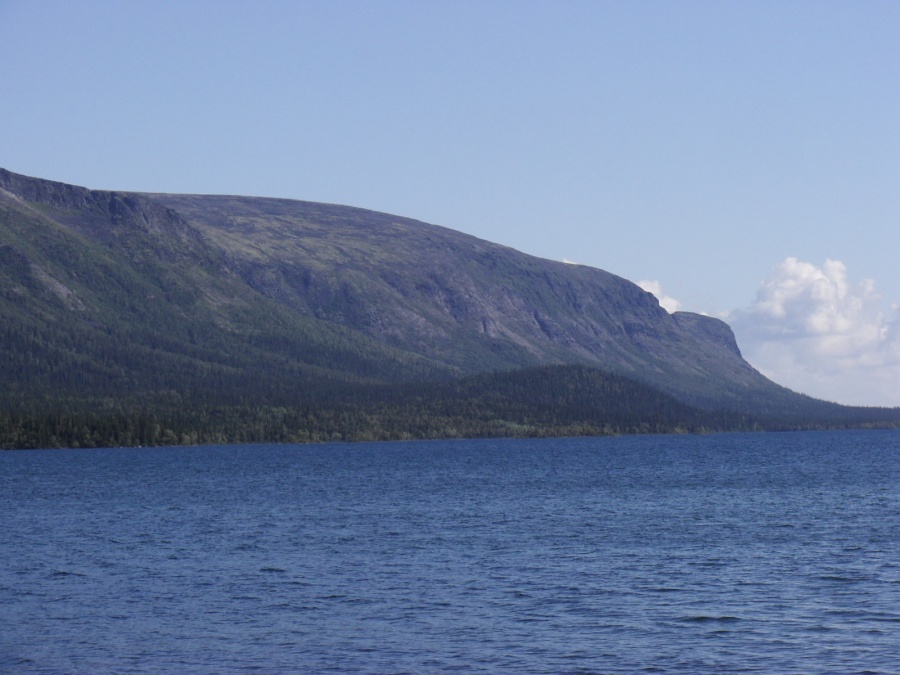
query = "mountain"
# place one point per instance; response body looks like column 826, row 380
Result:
column 132, row 301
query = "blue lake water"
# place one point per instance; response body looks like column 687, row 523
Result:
column 770, row 553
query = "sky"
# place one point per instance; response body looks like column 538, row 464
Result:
column 739, row 159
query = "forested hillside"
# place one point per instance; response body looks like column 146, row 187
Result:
column 140, row 319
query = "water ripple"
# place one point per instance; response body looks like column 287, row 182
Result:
column 733, row 553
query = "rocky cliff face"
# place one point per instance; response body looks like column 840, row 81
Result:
column 118, row 220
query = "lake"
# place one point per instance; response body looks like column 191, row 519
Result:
column 769, row 552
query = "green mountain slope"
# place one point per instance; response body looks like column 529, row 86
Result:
column 204, row 307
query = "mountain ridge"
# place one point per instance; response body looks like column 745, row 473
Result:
column 237, row 301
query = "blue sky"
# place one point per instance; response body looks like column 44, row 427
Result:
column 739, row 159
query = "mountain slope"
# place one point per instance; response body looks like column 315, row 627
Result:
column 214, row 300
column 469, row 303
column 114, row 295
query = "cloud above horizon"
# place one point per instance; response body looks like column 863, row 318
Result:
column 812, row 330
column 667, row 302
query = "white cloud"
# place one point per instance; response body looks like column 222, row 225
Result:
column 667, row 302
column 812, row 330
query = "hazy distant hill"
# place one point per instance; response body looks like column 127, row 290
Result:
column 239, row 301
